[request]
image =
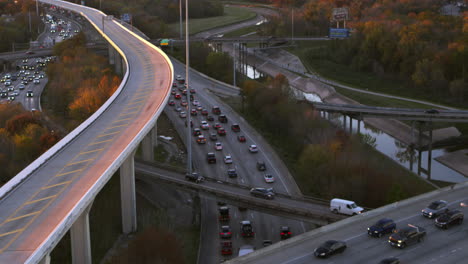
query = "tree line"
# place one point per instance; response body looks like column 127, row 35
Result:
column 325, row 161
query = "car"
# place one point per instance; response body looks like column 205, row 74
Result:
column 432, row 111
column 232, row 173
column 435, row 209
column 218, row 146
column 177, row 96
column 173, row 92
column 201, row 139
column 193, row 112
column 10, row 88
column 191, row 98
column 180, row 79
column 29, row 52
column 183, row 103
column 246, row 229
column 194, row 176
column 221, row 131
column 174, row 84
column 246, row 249
column 195, row 102
column 7, row 83
column 390, row 261
column 36, row 81
column 223, row 119
column 210, row 118
column 183, row 114
column 406, row 236
column 11, row 98
column 268, row 178
column 204, row 112
column 29, row 94
column 253, row 149
column 217, row 126
column 213, row 137
column 216, row 110
column 191, row 123
column 199, row 108
column 228, row 159
column 225, row 232
column 178, row 109
column 241, row 138
column 184, row 92
column 21, row 86
column 330, row 247
column 449, row 218
column 171, row 103
column 381, row 227
column 261, row 166
column 204, row 125
column 235, row 127
column 285, row 232
column 3, row 94
column 267, row 243
column 226, row 248
column 24, row 82
column 192, row 91
column 196, row 132
column 266, row 193
column 210, row 157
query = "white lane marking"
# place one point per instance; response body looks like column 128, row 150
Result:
column 297, row 258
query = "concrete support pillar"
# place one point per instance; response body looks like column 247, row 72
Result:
column 344, row 122
column 419, row 148
column 127, row 195
column 350, row 125
column 359, row 126
column 111, row 54
column 154, row 135
column 80, row 239
column 429, row 152
column 45, row 260
column 147, row 149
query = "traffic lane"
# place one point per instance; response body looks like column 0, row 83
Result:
column 356, row 228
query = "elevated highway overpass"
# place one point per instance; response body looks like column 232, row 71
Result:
column 55, row 193
column 312, row 210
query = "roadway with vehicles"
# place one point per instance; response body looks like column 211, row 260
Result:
column 266, row 227
column 43, row 201
column 437, row 246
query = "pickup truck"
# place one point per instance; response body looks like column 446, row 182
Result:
column 405, row 236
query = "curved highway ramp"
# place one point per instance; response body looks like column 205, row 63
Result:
column 54, row 194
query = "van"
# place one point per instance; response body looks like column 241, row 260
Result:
column 340, row 206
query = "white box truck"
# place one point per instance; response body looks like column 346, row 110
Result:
column 340, row 206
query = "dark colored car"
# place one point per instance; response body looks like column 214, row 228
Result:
column 211, row 157
column 29, row 94
column 194, row 177
column 241, row 138
column 329, row 248
column 246, row 229
column 210, row 118
column 215, row 110
column 223, row 214
column 449, row 218
column 225, row 232
column 406, row 236
column 204, row 112
column 193, row 112
column 263, row 193
column 235, row 127
column 232, row 173
column 285, row 232
column 431, row 111
column 435, row 209
column 267, row 243
column 390, row 261
column 226, row 248
column 261, row 166
column 196, row 132
column 217, row 126
column 171, row 103
column 223, row 119
column 221, row 131
column 192, row 91
column 382, row 227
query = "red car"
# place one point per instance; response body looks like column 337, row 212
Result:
column 226, row 248
column 204, row 112
column 217, row 126
column 221, row 131
column 235, row 127
column 193, row 112
column 241, row 138
column 177, row 96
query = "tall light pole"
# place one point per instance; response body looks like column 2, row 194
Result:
column 292, row 25
column 180, row 19
column 189, row 115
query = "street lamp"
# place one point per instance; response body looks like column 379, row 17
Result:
column 189, row 115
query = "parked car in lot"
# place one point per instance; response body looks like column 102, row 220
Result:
column 382, row 227
column 329, row 248
column 263, row 193
column 449, row 218
column 435, row 209
column 406, row 236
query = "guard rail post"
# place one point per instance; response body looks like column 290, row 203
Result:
column 127, row 194
column 80, row 239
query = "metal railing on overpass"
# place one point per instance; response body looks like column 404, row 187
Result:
column 306, row 209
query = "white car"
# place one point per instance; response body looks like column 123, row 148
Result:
column 195, row 103
column 218, row 146
column 182, row 114
column 228, row 159
column 253, row 149
column 204, row 125
column 269, row 178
